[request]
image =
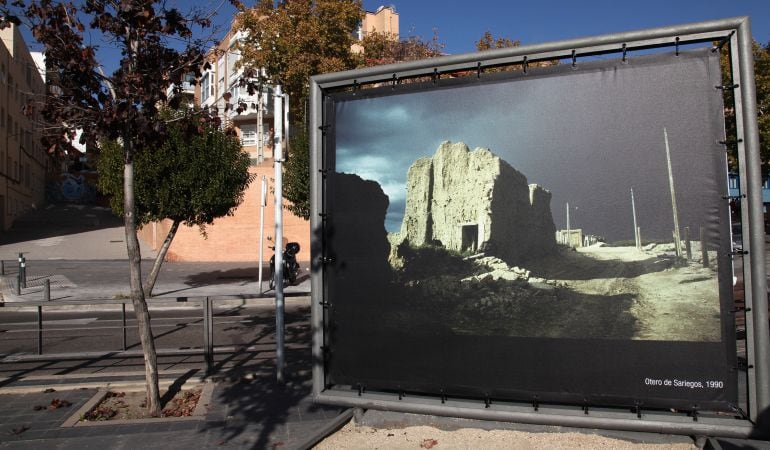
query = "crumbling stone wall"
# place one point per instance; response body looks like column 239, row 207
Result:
column 474, row 201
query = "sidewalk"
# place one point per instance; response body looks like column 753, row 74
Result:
column 244, row 412
column 81, row 250
column 109, row 279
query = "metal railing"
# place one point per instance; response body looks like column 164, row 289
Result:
column 206, row 304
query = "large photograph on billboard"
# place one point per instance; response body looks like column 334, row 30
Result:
column 559, row 235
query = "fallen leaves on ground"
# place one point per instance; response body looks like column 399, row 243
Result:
column 55, row 404
column 428, row 443
column 21, row 429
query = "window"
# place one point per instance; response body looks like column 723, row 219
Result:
column 249, row 134
column 234, row 90
column 206, row 87
column 232, row 58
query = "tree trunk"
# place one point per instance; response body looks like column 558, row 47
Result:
column 153, row 276
column 137, row 295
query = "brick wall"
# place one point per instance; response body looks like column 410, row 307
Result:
column 236, row 237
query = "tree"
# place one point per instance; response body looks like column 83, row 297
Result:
column 192, row 178
column 488, row 42
column 288, row 43
column 384, row 48
column 123, row 105
column 762, row 81
column 296, row 178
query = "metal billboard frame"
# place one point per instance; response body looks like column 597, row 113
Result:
column 734, row 32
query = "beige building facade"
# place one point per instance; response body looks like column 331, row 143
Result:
column 23, row 162
column 384, row 20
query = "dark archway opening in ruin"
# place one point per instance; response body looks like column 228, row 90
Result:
column 470, row 238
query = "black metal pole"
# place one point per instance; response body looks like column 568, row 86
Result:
column 123, row 310
column 207, row 346
column 2, row 267
column 47, row 290
column 23, row 272
column 39, row 330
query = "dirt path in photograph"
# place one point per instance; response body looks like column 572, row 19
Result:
column 667, row 302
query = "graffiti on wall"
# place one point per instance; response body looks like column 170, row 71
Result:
column 71, row 188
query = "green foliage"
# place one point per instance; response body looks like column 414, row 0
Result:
column 762, row 81
column 197, row 175
column 488, row 42
column 292, row 41
column 385, row 48
column 296, row 175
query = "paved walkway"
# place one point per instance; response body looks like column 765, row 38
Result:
column 81, row 250
column 244, row 412
column 109, row 279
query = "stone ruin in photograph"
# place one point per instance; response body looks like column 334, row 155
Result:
column 475, row 202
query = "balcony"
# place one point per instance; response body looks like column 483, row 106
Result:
column 187, row 91
column 252, row 105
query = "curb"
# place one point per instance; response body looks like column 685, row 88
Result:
column 328, row 429
column 185, row 302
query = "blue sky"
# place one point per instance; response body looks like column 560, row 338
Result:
column 460, row 23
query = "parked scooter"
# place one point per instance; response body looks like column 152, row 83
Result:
column 290, row 265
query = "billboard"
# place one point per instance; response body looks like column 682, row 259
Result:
column 551, row 235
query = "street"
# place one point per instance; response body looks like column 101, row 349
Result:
column 240, row 332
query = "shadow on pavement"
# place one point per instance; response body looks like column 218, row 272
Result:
column 59, row 220
column 242, row 274
column 261, row 412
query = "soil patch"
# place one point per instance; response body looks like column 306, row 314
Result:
column 132, row 405
column 127, row 405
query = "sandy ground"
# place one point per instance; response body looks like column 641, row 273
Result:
column 359, row 437
column 668, row 303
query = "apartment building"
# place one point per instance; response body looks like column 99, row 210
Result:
column 384, row 20
column 23, row 162
column 236, row 237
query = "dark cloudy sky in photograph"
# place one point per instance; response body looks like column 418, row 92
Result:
column 588, row 135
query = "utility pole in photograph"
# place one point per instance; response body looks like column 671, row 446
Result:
column 569, row 232
column 677, row 240
column 637, row 237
